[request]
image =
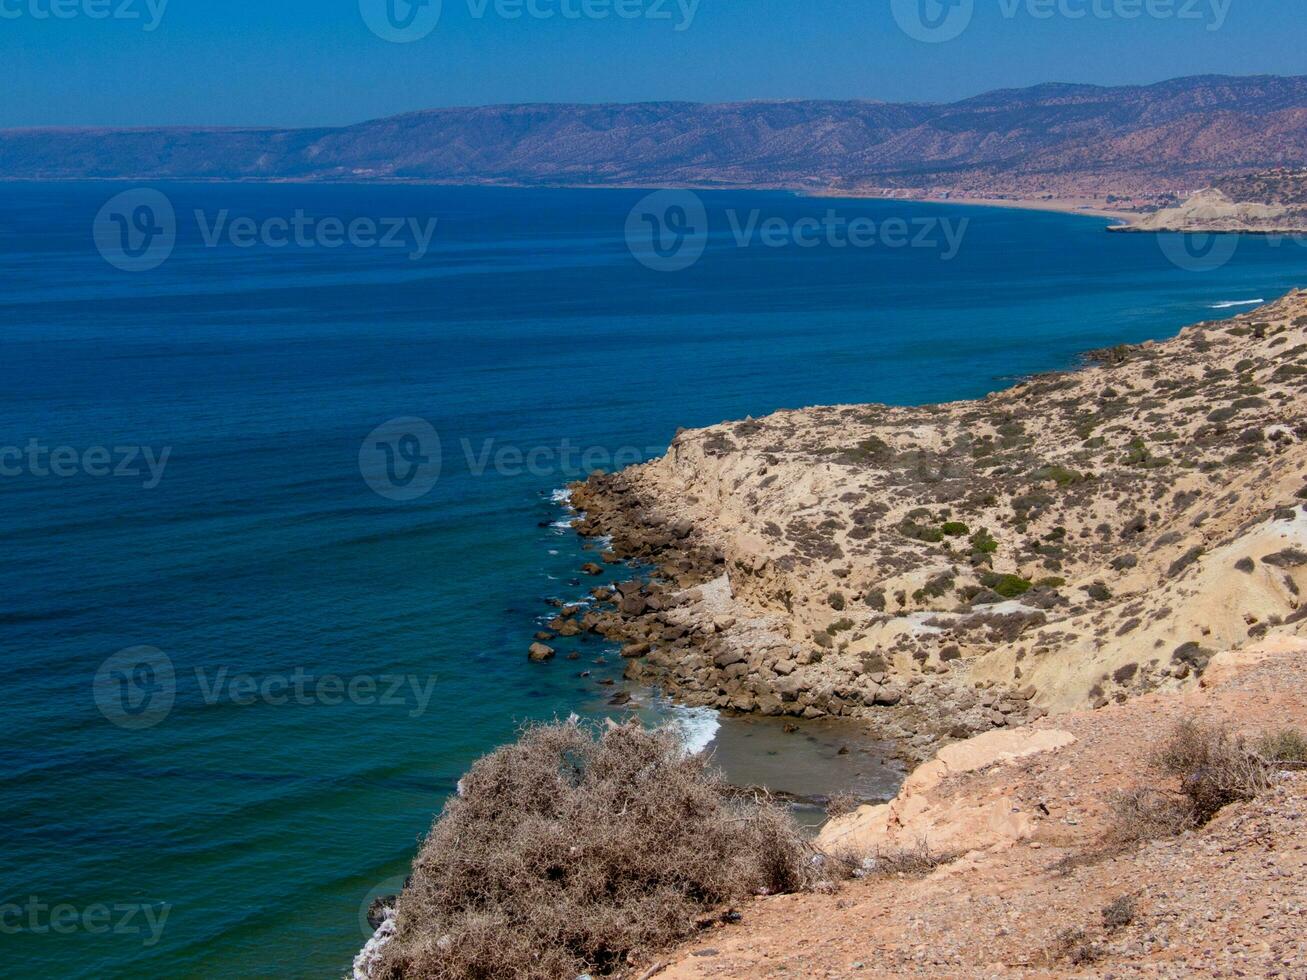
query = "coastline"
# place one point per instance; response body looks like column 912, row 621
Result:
column 1081, row 206
column 737, row 619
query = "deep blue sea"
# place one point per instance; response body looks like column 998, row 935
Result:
column 253, row 628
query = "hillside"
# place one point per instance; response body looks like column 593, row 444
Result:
column 1032, row 883
column 1078, row 539
column 1272, row 202
column 1136, row 141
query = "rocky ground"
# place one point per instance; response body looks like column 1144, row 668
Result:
column 943, row 570
column 1034, row 885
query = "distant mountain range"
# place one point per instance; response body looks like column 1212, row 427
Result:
column 1055, row 138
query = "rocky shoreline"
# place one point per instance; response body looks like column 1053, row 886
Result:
column 676, row 636
column 942, row 571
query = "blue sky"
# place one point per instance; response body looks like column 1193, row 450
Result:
column 317, row 62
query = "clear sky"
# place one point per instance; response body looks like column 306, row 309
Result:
column 317, row 62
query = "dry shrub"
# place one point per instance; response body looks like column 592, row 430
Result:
column 1075, row 947
column 1287, row 745
column 1142, row 814
column 841, row 805
column 916, row 861
column 1119, row 913
column 1214, row 769
column 572, row 848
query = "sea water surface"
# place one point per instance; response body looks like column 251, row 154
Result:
column 285, row 780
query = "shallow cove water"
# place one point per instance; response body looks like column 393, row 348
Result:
column 262, row 824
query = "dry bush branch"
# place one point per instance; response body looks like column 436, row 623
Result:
column 571, row 851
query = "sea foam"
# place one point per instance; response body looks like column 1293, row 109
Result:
column 1231, row 303
column 696, row 726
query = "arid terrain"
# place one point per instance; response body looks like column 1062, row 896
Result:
column 1118, row 148
column 1077, row 540
column 1075, row 603
column 1031, row 882
column 1273, row 203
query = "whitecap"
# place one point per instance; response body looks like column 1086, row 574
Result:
column 1231, row 303
column 369, row 957
column 697, row 727
column 563, row 496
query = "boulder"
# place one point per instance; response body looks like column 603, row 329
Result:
column 888, row 695
column 727, row 657
column 538, row 652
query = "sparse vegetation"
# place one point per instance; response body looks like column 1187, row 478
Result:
column 1075, row 947
column 1214, row 769
column 841, row 805
column 915, row 861
column 1119, row 913
column 1286, row 745
column 571, row 849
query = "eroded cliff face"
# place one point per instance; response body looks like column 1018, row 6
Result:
column 1212, row 210
column 1076, row 539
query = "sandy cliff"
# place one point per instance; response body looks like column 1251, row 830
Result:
column 945, row 570
column 1212, row 210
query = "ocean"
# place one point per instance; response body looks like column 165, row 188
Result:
column 282, row 479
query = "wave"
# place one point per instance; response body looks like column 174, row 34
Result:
column 1231, row 303
column 563, row 496
column 696, row 726
column 369, row 957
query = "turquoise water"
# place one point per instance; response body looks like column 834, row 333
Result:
column 261, row 824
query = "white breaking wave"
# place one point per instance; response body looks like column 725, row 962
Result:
column 370, row 955
column 1228, row 304
column 563, row 496
column 696, row 726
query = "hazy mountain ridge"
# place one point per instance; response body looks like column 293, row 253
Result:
column 1058, row 138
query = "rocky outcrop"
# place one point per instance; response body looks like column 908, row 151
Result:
column 946, row 570
column 915, row 815
column 1211, row 210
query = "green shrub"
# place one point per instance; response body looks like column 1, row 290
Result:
column 919, row 532
column 955, row 529
column 983, row 542
column 1008, row 586
column 1061, row 475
